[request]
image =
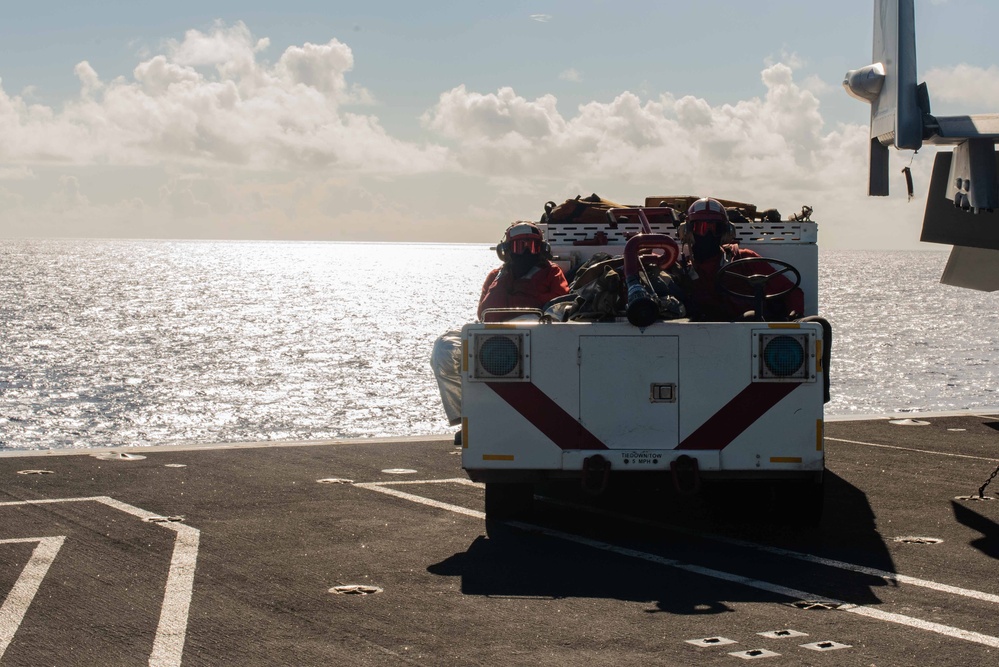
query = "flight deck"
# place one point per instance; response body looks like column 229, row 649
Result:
column 374, row 552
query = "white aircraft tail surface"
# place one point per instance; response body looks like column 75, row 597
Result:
column 964, row 186
column 889, row 85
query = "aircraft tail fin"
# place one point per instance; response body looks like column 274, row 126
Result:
column 889, row 86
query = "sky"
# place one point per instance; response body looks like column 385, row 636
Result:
column 445, row 121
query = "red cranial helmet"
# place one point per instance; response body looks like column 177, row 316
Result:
column 522, row 237
column 706, row 216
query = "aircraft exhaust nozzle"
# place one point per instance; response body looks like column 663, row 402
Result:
column 865, row 83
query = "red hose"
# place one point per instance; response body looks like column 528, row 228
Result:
column 641, row 241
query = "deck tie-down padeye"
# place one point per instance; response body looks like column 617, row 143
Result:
column 686, row 475
column 596, row 474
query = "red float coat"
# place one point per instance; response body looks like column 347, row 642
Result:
column 536, row 288
column 707, row 303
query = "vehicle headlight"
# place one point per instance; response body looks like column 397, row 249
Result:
column 782, row 356
column 500, row 356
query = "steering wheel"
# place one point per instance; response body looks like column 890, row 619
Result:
column 756, row 282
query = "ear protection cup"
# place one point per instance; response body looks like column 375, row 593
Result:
column 502, row 251
column 728, row 234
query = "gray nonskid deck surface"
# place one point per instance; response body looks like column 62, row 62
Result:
column 204, row 556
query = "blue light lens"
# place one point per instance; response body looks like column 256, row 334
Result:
column 783, row 356
column 499, row 356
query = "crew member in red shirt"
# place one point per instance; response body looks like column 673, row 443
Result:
column 528, row 277
column 708, row 232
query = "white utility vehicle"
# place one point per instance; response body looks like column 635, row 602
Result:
column 546, row 400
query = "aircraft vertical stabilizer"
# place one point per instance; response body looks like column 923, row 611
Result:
column 889, row 86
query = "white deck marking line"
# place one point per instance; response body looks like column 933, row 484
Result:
column 910, row 449
column 44, row 501
column 861, row 569
column 900, row 619
column 24, row 589
column 862, row 610
column 810, row 558
column 378, row 486
column 168, row 645
column 171, row 632
column 453, row 480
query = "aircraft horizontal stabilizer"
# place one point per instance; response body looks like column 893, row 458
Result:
column 973, row 268
column 955, row 129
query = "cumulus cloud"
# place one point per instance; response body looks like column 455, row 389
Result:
column 18, row 173
column 964, row 84
column 211, row 99
column 773, row 150
column 785, row 57
column 239, row 146
column 815, row 85
column 761, row 141
column 571, row 75
column 224, row 46
column 502, row 117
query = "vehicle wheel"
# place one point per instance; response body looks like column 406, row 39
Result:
column 507, row 501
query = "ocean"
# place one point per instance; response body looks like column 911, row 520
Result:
column 118, row 342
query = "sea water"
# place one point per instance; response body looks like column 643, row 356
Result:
column 114, row 342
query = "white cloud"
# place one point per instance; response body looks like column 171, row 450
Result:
column 224, row 47
column 68, row 196
column 219, row 142
column 772, row 150
column 816, row 86
column 778, row 137
column 789, row 58
column 18, row 173
column 541, row 18
column 571, row 75
column 500, row 117
column 210, row 100
column 89, row 81
column 964, row 84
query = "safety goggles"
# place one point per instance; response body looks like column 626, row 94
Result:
column 521, row 246
column 704, row 227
